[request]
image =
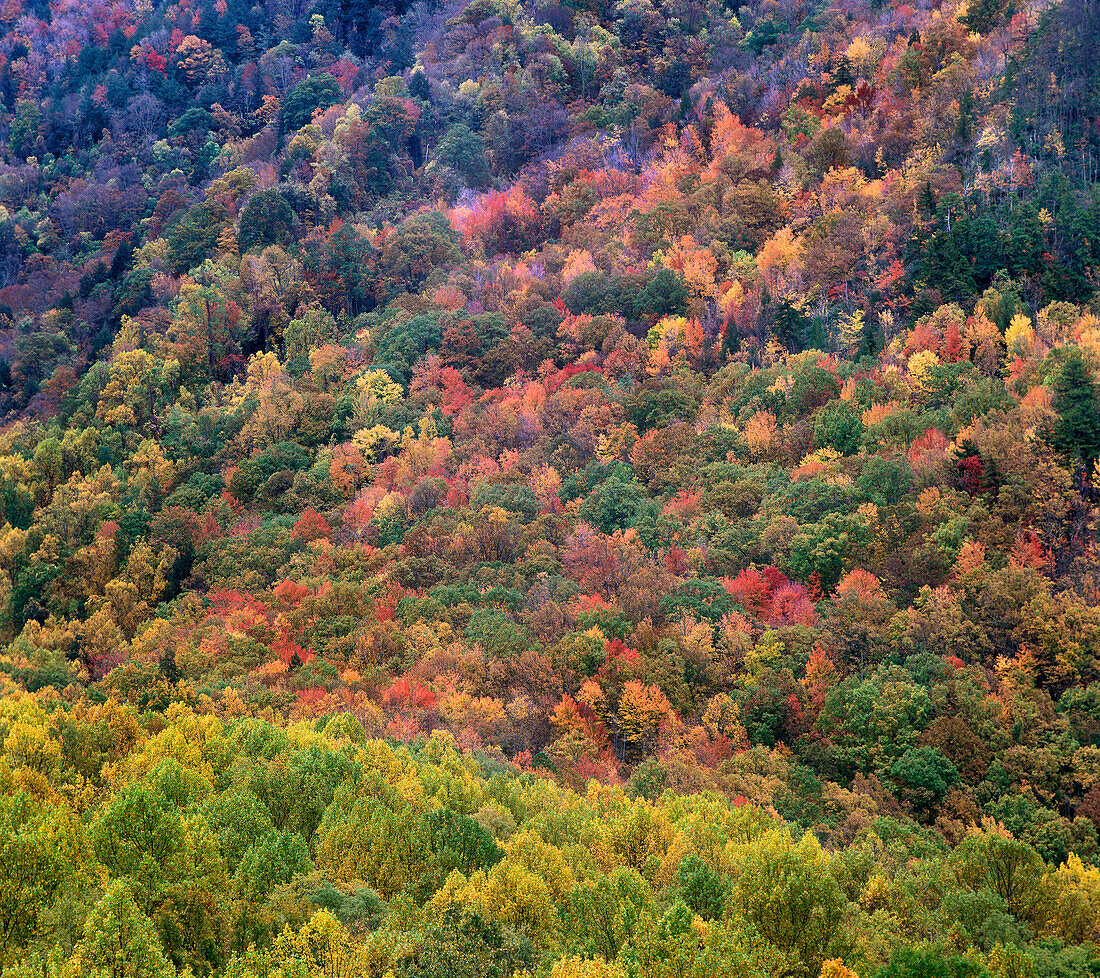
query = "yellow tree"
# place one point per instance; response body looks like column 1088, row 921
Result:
column 640, row 711
column 276, row 405
column 195, row 56
column 787, row 891
column 151, row 472
column 322, row 946
column 508, row 893
column 1071, row 905
column 130, row 395
column 578, row 967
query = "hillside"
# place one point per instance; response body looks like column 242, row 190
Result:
column 579, row 490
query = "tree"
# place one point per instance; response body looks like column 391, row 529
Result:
column 311, row 93
column 194, row 236
column 195, row 125
column 34, row 866
column 613, row 505
column 349, row 257
column 641, row 708
column 310, row 329
column 787, row 891
column 172, row 863
column 120, row 940
column 885, row 480
column 237, row 817
column 136, row 379
column 838, row 426
column 321, row 948
column 195, row 56
column 674, row 946
column 276, row 858
column 825, row 548
column 204, row 328
column 928, row 961
column 387, row 850
column 414, row 249
column 140, row 837
column 985, row 16
column 464, row 152
column 702, row 888
column 24, row 127
column 602, row 915
column 665, row 294
column 1076, row 436
column 923, row 776
column 465, row 944
column 578, row 967
column 266, row 220
column 1073, row 908
column 456, row 842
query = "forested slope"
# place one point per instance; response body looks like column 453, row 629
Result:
column 599, row 489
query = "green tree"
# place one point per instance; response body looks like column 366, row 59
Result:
column 119, row 940
column 39, row 853
column 349, row 257
column 613, row 505
column 266, row 220
column 665, row 294
column 414, row 249
column 175, row 870
column 1076, row 435
column 787, row 891
column 839, row 426
column 275, row 859
column 195, row 234
column 1007, row 866
column 24, row 127
column 362, row 909
column 310, row 329
column 140, row 836
column 237, row 818
column 466, row 945
column 601, row 916
column 464, row 152
column 923, row 776
column 701, row 887
column 195, row 122
column 885, row 480
column 984, row 16
column 928, row 961
column 671, row 947
column 456, row 841
column 825, row 548
column 310, row 94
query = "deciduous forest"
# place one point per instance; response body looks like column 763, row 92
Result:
column 536, row 489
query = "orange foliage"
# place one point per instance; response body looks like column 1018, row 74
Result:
column 861, row 584
column 499, row 221
column 311, row 526
column 291, row 592
column 737, row 151
column 1028, row 551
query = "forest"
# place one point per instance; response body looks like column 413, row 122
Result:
column 549, row 489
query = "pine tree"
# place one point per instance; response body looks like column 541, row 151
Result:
column 1077, row 433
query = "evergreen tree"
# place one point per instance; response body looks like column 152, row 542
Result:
column 1077, row 432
